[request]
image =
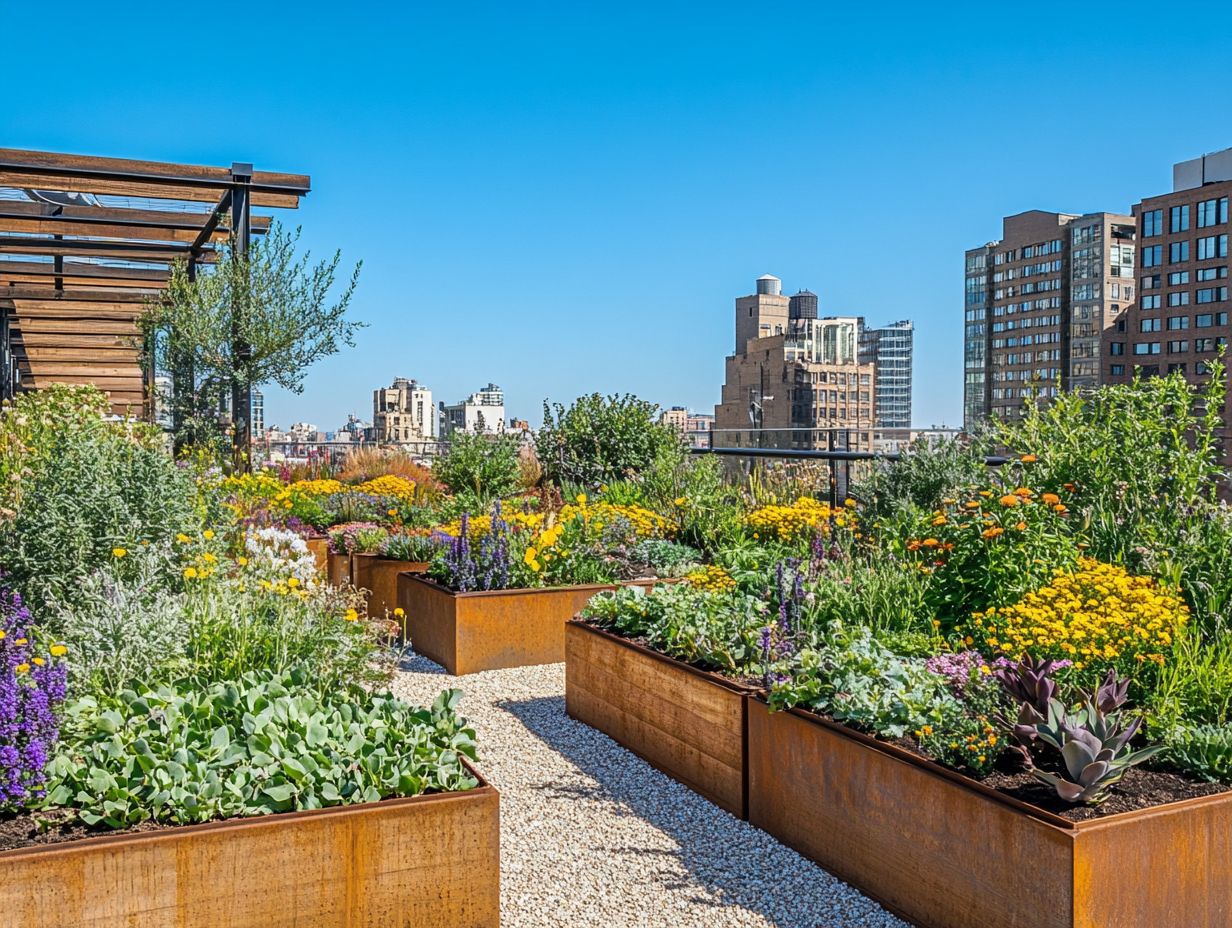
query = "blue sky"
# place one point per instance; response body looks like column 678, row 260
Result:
column 563, row 198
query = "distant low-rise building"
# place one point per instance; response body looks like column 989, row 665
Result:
column 696, row 426
column 402, row 413
column 481, row 412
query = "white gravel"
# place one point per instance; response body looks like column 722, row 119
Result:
column 591, row 835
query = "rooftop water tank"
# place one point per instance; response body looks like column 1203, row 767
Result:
column 803, row 305
column 768, row 285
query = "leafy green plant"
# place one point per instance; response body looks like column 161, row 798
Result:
column 407, row 547
column 196, row 751
column 1202, row 750
column 855, row 679
column 665, row 557
column 122, row 623
column 599, row 439
column 484, row 467
column 715, row 630
column 93, row 487
column 924, row 474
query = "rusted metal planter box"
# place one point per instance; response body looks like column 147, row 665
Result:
column 943, row 851
column 379, row 576
column 688, row 723
column 492, row 629
column 319, row 548
column 421, row 861
column 337, row 568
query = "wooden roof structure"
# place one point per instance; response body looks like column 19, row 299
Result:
column 85, row 242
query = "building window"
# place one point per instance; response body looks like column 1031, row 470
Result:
column 1116, row 348
column 1178, row 252
column 1151, row 282
column 1175, row 368
column 1212, row 294
column 1150, row 302
column 1177, row 322
column 1153, row 256
column 1152, row 222
column 1176, row 278
column 1178, row 298
column 1181, row 347
column 1117, row 370
column 1209, row 320
column 1212, row 246
column 1212, row 273
column 1146, row 348
column 1179, row 216
column 1150, row 325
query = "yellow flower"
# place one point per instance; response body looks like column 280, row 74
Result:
column 399, row 612
column 242, row 561
column 22, row 668
column 581, row 498
column 58, row 650
column 293, row 582
column 39, row 661
column 182, row 538
column 351, row 615
column 208, row 534
column 680, row 501
column 21, row 642
column 119, row 552
column 208, row 558
column 190, row 573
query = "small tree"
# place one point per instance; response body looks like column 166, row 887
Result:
column 600, row 439
column 255, row 317
column 486, row 467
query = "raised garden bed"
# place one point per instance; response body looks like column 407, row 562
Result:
column 379, row 576
column 944, row 851
column 319, row 546
column 686, row 722
column 431, row 860
column 338, row 568
column 491, row 629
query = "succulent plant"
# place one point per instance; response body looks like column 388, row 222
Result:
column 1030, row 681
column 1093, row 741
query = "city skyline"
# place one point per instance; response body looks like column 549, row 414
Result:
column 582, row 198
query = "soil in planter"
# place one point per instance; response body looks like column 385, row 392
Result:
column 57, row 827
column 1140, row 788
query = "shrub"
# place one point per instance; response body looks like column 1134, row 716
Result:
column 124, row 623
column 32, row 683
column 365, row 464
column 275, row 554
column 924, row 474
column 599, row 439
column 484, row 467
column 91, row 487
column 410, row 547
column 196, row 750
column 664, row 556
column 989, row 547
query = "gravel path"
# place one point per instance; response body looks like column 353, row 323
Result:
column 592, row 835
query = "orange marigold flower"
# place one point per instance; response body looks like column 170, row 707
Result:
column 1010, row 500
column 1060, row 507
column 1051, row 499
column 1021, row 526
column 1028, row 459
column 1024, row 492
column 993, row 532
column 930, row 542
column 1069, row 487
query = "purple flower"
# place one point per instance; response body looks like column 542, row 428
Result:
column 32, row 686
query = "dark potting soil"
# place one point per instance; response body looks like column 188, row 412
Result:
column 56, row 828
column 1140, row 788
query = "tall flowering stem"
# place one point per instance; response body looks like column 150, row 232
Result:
column 32, row 687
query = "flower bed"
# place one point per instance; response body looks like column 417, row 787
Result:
column 425, row 860
column 378, row 576
column 944, row 851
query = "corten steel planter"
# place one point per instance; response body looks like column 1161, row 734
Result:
column 491, row 629
column 319, row 547
column 943, row 851
column 338, row 568
column 421, row 861
column 379, row 576
column 686, row 722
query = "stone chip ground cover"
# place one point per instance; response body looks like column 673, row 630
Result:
column 591, row 835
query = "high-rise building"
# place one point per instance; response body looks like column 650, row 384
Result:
column 1180, row 320
column 258, row 414
column 481, row 412
column 794, row 380
column 402, row 413
column 889, row 349
column 1036, row 306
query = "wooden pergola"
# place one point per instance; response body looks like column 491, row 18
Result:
column 85, row 242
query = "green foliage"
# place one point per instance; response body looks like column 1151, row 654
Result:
column 1202, row 750
column 665, row 557
column 195, row 750
column 1196, row 684
column 877, row 589
column 716, row 631
column 88, row 486
column 403, row 547
column 855, row 679
column 599, row 439
column 965, row 742
column 925, row 473
column 482, row 467
column 124, row 622
column 256, row 317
